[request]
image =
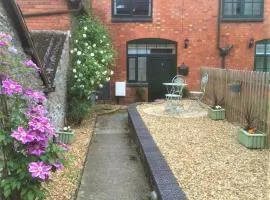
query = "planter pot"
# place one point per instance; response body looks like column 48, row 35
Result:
column 251, row 141
column 235, row 88
column 65, row 137
column 216, row 114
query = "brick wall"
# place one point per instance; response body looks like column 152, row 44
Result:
column 195, row 20
column 52, row 22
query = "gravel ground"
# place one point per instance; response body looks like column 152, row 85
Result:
column 207, row 159
column 64, row 184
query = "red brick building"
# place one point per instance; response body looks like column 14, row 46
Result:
column 153, row 37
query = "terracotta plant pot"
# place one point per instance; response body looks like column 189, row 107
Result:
column 216, row 114
column 252, row 141
column 65, row 136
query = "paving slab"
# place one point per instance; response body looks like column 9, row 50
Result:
column 113, row 170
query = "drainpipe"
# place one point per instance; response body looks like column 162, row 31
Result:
column 223, row 51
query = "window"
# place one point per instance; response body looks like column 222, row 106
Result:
column 138, row 52
column 242, row 10
column 262, row 56
column 131, row 10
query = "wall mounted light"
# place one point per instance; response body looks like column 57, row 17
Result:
column 251, row 43
column 186, row 43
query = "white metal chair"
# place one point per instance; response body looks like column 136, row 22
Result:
column 198, row 95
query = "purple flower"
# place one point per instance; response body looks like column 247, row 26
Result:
column 11, row 87
column 36, row 111
column 35, row 95
column 65, row 147
column 31, row 64
column 43, row 125
column 39, row 170
column 5, row 36
column 22, row 135
column 37, row 148
column 38, row 136
column 12, row 49
column 3, row 43
column 58, row 166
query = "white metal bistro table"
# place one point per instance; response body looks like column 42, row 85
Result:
column 173, row 96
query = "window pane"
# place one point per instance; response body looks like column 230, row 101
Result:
column 132, row 49
column 268, row 49
column 141, row 69
column 268, row 63
column 260, row 49
column 248, row 9
column 141, row 7
column 256, row 9
column 121, row 7
column 132, row 69
column 141, row 49
column 259, row 63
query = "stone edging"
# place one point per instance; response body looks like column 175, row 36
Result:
column 161, row 178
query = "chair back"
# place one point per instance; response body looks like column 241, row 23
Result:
column 204, row 82
column 178, row 79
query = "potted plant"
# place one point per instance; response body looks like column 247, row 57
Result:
column 140, row 94
column 216, row 111
column 235, row 86
column 249, row 136
column 65, row 135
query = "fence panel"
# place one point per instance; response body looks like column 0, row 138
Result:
column 254, row 95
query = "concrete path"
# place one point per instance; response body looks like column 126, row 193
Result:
column 113, row 170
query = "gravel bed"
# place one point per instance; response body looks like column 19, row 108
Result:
column 207, row 159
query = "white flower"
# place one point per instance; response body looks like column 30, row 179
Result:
column 86, row 44
column 82, row 86
column 75, row 49
column 74, row 70
column 218, row 107
column 85, row 28
column 79, row 80
column 100, row 85
column 75, row 76
column 108, row 79
column 94, row 45
column 79, row 62
column 88, row 47
column 101, row 41
column 112, row 72
column 92, row 82
column 103, row 60
column 80, row 75
column 76, row 41
column 79, row 53
column 105, row 72
column 101, row 52
column 65, row 128
column 12, row 49
column 84, row 35
column 71, row 51
column 92, row 54
column 104, row 36
column 107, row 44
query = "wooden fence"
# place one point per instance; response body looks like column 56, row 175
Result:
column 254, row 95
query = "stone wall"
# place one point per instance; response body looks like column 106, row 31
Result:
column 7, row 26
column 57, row 99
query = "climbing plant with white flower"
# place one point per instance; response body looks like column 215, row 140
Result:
column 92, row 56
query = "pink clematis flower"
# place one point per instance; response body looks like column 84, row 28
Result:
column 22, row 135
column 11, row 87
column 35, row 95
column 39, row 170
column 31, row 64
column 37, row 148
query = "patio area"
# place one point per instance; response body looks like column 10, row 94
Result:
column 205, row 156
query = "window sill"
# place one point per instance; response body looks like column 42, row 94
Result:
column 137, row 84
column 242, row 19
column 122, row 20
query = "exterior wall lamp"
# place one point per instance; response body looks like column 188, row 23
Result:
column 251, row 43
column 186, row 43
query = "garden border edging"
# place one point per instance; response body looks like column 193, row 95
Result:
column 161, row 178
